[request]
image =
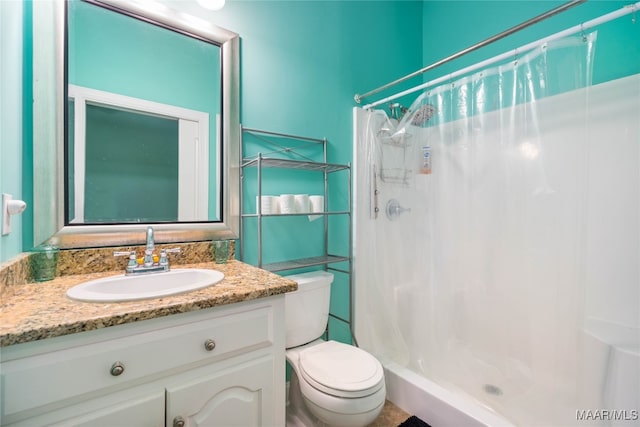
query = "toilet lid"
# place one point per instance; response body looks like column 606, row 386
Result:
column 341, row 370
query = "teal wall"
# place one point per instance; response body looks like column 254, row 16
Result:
column 302, row 63
column 11, row 76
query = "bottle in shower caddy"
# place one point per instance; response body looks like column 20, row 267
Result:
column 425, row 167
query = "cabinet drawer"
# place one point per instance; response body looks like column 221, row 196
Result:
column 85, row 371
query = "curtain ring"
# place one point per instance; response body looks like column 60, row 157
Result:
column 515, row 56
column 633, row 13
column 584, row 37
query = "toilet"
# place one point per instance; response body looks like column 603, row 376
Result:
column 331, row 383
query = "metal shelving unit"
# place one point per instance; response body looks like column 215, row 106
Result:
column 274, row 159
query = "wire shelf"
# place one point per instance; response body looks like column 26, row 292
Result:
column 255, row 215
column 304, row 262
column 268, row 162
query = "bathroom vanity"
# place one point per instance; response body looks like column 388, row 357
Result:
column 208, row 357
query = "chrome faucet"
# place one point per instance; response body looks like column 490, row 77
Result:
column 148, row 253
column 149, row 264
column 151, row 245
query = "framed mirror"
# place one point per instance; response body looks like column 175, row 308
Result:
column 146, row 125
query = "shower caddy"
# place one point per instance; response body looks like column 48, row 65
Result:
column 272, row 160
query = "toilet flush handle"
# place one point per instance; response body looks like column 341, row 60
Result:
column 178, row 421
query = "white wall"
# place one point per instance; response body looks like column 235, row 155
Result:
column 612, row 269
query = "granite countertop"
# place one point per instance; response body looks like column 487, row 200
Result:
column 36, row 311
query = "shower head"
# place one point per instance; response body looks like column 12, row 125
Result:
column 422, row 115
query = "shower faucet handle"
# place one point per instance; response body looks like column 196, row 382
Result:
column 394, row 209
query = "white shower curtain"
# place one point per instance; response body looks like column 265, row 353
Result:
column 481, row 285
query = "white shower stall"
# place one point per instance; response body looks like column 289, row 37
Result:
column 506, row 289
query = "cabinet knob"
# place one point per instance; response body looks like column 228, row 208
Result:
column 117, row 369
column 209, row 345
column 178, row 421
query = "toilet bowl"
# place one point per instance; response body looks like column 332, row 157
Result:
column 341, row 385
column 331, row 383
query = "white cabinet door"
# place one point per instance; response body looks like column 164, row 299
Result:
column 140, row 408
column 238, row 397
column 143, row 412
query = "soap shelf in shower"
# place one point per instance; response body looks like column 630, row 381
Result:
column 396, row 175
column 395, row 141
column 395, row 157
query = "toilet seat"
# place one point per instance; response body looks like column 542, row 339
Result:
column 341, row 370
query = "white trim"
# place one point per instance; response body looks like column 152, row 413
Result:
column 193, row 159
column 79, row 155
column 193, row 173
column 218, row 165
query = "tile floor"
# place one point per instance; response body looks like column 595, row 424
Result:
column 391, row 416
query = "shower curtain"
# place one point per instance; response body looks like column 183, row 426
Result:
column 480, row 286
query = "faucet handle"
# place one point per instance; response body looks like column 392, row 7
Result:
column 133, row 262
column 164, row 259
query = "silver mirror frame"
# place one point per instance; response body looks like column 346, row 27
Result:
column 48, row 132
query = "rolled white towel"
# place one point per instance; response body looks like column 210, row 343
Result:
column 287, row 204
column 317, row 206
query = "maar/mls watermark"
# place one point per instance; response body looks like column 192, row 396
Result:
column 607, row 414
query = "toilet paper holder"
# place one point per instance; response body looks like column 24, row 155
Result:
column 10, row 207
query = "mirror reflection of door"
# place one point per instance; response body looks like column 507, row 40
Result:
column 135, row 160
column 111, row 55
column 131, row 164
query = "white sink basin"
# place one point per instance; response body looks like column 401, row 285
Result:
column 153, row 285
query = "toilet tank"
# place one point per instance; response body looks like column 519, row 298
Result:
column 307, row 309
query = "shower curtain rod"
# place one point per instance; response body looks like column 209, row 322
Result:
column 632, row 8
column 358, row 98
